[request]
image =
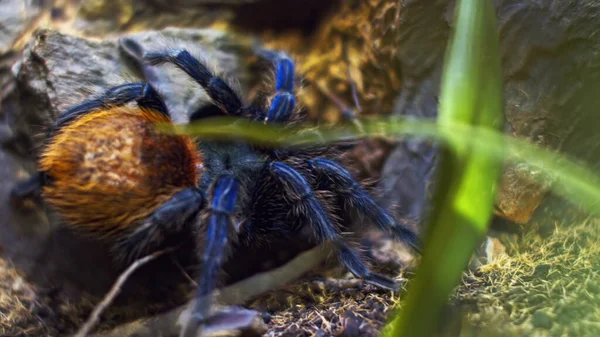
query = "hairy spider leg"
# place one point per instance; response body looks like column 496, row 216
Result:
column 143, row 93
column 298, row 188
column 220, row 92
column 134, row 53
column 355, row 196
column 221, row 211
column 283, row 102
column 169, row 218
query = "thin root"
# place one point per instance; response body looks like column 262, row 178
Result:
column 114, row 291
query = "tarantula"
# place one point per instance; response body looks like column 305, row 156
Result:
column 107, row 170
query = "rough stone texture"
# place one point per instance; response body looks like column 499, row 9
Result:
column 551, row 69
column 15, row 17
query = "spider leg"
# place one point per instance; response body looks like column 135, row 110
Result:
column 169, row 218
column 222, row 95
column 134, row 53
column 298, row 188
column 143, row 93
column 284, row 102
column 221, row 210
column 355, row 196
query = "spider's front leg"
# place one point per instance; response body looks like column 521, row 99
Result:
column 282, row 106
column 214, row 249
column 355, row 196
column 298, row 189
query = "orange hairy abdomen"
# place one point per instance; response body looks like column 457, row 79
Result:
column 110, row 169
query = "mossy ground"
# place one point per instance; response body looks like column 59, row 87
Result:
column 540, row 287
column 15, row 301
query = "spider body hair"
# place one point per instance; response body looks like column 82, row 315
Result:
column 106, row 170
column 113, row 168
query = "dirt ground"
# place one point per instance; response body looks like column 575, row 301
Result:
column 540, row 287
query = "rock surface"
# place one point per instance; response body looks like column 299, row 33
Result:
column 15, row 18
column 60, row 70
column 551, row 69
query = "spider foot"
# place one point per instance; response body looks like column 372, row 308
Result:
column 358, row 268
column 194, row 327
column 382, row 282
column 224, row 321
column 356, row 197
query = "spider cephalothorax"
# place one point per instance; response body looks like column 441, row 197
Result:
column 107, row 170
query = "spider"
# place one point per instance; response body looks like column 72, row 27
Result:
column 107, row 170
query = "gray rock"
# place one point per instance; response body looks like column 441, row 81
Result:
column 15, row 18
column 58, row 71
column 551, row 69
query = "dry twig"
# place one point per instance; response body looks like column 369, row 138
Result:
column 114, row 291
column 169, row 323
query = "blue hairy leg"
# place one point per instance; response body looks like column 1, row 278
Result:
column 355, row 196
column 221, row 94
column 283, row 102
column 298, row 189
column 170, row 218
column 221, row 210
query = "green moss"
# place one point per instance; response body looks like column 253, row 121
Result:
column 546, row 287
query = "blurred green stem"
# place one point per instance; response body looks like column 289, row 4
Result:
column 471, row 94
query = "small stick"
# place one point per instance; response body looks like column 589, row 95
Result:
column 185, row 273
column 114, row 291
column 347, row 113
column 169, row 324
column 353, row 87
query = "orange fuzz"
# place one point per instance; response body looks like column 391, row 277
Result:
column 112, row 168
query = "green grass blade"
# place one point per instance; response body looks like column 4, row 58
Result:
column 571, row 180
column 470, row 94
